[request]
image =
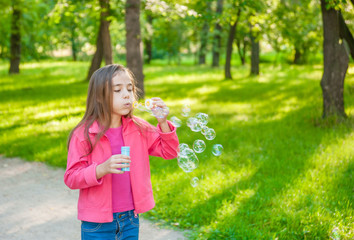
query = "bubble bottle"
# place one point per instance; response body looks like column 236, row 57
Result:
column 125, row 151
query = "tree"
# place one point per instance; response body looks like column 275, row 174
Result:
column 230, row 40
column 103, row 43
column 205, row 9
column 254, row 51
column 133, row 43
column 217, row 34
column 335, row 61
column 298, row 23
column 15, row 39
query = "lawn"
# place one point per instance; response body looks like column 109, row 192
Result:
column 285, row 173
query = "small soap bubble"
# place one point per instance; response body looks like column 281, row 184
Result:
column 186, row 110
column 217, row 149
column 135, row 104
column 143, row 108
column 202, row 118
column 176, row 121
column 335, row 234
column 182, row 146
column 195, row 182
column 204, row 130
column 148, row 103
column 199, row 146
column 210, row 134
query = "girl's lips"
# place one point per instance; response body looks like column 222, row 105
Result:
column 128, row 105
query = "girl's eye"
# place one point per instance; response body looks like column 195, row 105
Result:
column 130, row 90
column 116, row 90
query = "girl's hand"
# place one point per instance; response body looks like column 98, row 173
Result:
column 112, row 164
column 157, row 102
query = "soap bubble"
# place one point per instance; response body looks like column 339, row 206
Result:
column 202, row 118
column 191, row 121
column 182, row 146
column 217, row 149
column 176, row 121
column 186, row 110
column 160, row 112
column 204, row 130
column 195, row 182
column 148, row 103
column 210, row 134
column 196, row 127
column 335, row 234
column 187, row 160
column 135, row 104
column 199, row 146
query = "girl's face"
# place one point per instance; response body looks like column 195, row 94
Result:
column 123, row 95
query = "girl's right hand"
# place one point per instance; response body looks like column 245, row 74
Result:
column 112, row 165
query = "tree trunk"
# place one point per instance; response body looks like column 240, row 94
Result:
column 133, row 42
column 203, row 43
column 73, row 43
column 15, row 39
column 297, row 57
column 217, row 36
column 103, row 43
column 230, row 40
column 148, row 42
column 254, row 54
column 335, row 64
column 106, row 38
column 241, row 47
column 98, row 56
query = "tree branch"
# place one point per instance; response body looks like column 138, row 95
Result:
column 345, row 33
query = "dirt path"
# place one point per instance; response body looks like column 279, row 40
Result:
column 35, row 204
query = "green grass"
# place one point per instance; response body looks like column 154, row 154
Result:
column 285, row 173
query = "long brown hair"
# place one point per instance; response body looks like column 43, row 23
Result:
column 99, row 101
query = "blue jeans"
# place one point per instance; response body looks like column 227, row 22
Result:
column 124, row 226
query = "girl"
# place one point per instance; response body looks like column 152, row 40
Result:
column 111, row 199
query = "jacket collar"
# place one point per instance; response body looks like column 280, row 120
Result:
column 96, row 128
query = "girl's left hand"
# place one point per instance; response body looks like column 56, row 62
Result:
column 157, row 102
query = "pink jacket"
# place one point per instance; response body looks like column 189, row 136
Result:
column 95, row 199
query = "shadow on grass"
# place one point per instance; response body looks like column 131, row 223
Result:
column 286, row 147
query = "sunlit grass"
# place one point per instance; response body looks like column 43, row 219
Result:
column 285, row 173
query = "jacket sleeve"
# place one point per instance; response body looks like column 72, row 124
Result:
column 79, row 173
column 162, row 144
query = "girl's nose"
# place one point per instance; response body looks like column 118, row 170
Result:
column 126, row 94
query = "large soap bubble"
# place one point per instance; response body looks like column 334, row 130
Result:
column 160, row 112
column 199, row 146
column 217, row 149
column 191, row 121
column 196, row 127
column 187, row 160
column 182, row 147
column 202, row 118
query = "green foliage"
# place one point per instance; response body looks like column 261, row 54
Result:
column 285, row 173
column 299, row 24
column 335, row 4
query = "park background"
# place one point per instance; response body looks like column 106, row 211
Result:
column 254, row 67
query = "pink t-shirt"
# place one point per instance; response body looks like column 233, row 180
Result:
column 122, row 197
